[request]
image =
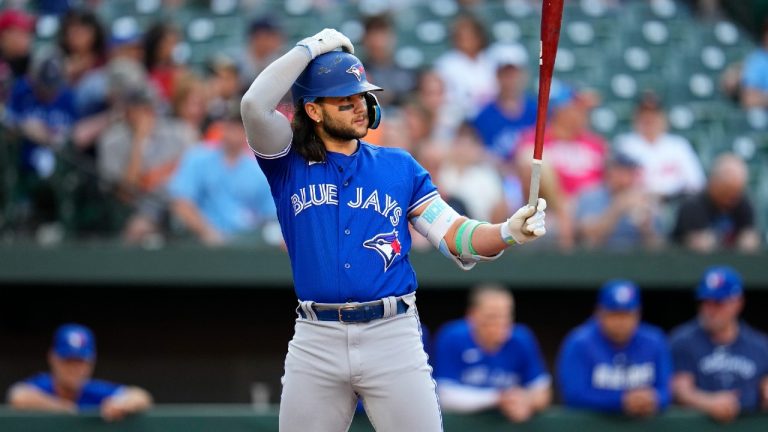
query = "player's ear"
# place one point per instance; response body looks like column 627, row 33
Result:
column 313, row 111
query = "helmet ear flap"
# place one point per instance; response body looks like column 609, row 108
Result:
column 374, row 110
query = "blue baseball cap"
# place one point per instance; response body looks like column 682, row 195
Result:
column 619, row 295
column 719, row 283
column 333, row 74
column 74, row 341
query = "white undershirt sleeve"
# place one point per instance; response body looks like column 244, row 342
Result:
column 465, row 399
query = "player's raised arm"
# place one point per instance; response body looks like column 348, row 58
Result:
column 269, row 131
column 468, row 241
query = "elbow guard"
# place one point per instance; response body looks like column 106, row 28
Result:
column 435, row 221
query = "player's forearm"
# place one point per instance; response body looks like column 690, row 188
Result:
column 135, row 399
column 465, row 399
column 27, row 398
column 540, row 397
column 268, row 131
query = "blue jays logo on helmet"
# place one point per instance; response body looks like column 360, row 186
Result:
column 333, row 74
column 386, row 245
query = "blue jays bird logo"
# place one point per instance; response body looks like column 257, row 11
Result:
column 356, row 70
column 387, row 245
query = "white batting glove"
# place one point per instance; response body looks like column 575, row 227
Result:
column 325, row 41
column 527, row 224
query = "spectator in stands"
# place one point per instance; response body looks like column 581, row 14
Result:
column 613, row 362
column 379, row 41
column 41, row 111
column 468, row 175
column 69, row 388
column 467, row 70
column 265, row 41
column 430, row 96
column 722, row 215
column 139, row 153
column 487, row 361
column 575, row 157
column 16, row 34
column 159, row 43
column 223, row 86
column 189, row 102
column 220, row 193
column 754, row 80
column 126, row 41
column 82, row 40
column 670, row 167
column 501, row 122
column 619, row 214
column 720, row 362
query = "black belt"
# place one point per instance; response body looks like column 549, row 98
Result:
column 354, row 313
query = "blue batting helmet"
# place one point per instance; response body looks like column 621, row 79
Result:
column 333, row 74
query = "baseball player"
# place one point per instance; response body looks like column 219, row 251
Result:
column 344, row 207
column 68, row 388
column 614, row 362
column 487, row 361
column 720, row 362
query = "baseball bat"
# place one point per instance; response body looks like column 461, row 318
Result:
column 551, row 19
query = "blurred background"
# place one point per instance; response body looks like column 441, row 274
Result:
column 119, row 118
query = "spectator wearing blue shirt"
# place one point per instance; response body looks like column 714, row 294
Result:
column 220, row 193
column 720, row 363
column 486, row 361
column 614, row 363
column 754, row 79
column 501, row 122
column 619, row 214
column 68, row 388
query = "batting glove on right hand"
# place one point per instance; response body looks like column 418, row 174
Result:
column 325, row 41
column 527, row 224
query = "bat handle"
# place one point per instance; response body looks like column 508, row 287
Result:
column 533, row 195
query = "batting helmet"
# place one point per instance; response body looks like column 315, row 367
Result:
column 336, row 74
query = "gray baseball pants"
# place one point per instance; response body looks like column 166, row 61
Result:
column 330, row 363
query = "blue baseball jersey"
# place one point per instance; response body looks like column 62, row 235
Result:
column 345, row 220
column 593, row 373
column 739, row 366
column 92, row 395
column 460, row 360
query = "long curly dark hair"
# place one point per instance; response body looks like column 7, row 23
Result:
column 305, row 140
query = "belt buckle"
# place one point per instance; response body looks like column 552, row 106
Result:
column 345, row 307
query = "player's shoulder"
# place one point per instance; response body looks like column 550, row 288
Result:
column 522, row 332
column 753, row 335
column 584, row 333
column 453, row 330
column 42, row 381
column 651, row 333
column 684, row 333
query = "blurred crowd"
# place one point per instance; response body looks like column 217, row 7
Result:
column 614, row 362
column 165, row 140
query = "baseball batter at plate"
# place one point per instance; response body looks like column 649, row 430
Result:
column 344, row 206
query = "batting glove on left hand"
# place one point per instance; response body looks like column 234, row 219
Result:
column 326, row 41
column 527, row 224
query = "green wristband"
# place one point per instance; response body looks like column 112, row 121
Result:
column 471, row 234
column 459, row 233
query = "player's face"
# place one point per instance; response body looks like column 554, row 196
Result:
column 71, row 374
column 491, row 320
column 345, row 118
column 716, row 316
column 618, row 326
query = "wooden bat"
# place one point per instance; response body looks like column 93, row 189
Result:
column 551, row 19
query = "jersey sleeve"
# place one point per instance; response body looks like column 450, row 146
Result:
column 682, row 358
column 423, row 188
column 447, row 361
column 276, row 168
column 663, row 372
column 534, row 372
column 98, row 390
column 41, row 382
column 574, row 373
